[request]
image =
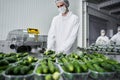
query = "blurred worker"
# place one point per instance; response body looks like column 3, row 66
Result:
column 102, row 40
column 116, row 38
column 63, row 31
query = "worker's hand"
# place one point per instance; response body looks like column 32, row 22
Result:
column 46, row 50
column 59, row 52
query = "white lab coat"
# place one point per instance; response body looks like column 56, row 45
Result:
column 116, row 38
column 63, row 32
column 102, row 40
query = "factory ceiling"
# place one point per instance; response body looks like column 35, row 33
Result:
column 112, row 6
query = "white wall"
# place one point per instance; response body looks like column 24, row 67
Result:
column 18, row 14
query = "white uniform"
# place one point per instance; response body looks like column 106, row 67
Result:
column 63, row 33
column 116, row 38
column 102, row 40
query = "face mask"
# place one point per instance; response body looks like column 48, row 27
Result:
column 118, row 32
column 62, row 9
column 102, row 34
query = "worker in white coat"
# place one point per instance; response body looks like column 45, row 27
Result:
column 102, row 39
column 64, row 28
column 116, row 38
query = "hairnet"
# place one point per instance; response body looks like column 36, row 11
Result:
column 65, row 1
column 102, row 31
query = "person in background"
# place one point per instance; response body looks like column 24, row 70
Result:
column 102, row 39
column 64, row 28
column 116, row 38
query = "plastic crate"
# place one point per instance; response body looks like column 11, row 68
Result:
column 73, row 76
column 18, row 77
column 1, row 77
column 102, row 75
column 1, row 73
column 117, row 75
column 42, row 76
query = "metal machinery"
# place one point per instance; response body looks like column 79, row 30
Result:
column 23, row 40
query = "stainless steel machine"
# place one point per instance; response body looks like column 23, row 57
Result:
column 23, row 40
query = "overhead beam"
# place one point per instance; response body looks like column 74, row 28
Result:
column 96, row 1
column 119, row 17
column 114, row 11
column 108, row 3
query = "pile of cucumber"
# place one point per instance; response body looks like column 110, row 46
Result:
column 27, row 61
column 110, row 48
column 4, row 64
column 23, row 67
column 20, row 70
column 7, row 59
column 49, row 52
column 51, row 65
column 48, row 70
column 75, row 63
